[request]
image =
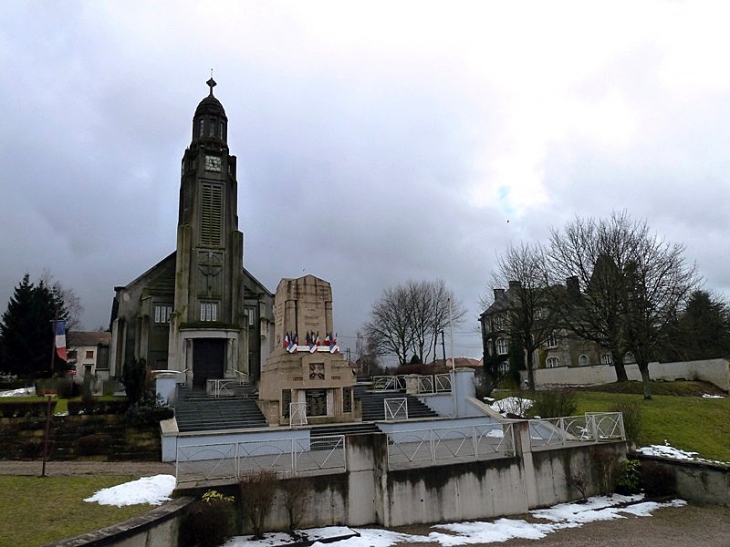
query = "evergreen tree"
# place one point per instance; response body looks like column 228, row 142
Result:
column 702, row 330
column 26, row 330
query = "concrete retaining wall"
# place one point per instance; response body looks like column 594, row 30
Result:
column 715, row 371
column 698, row 482
column 157, row 528
column 371, row 494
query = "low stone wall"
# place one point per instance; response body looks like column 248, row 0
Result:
column 715, row 371
column 157, row 528
column 100, row 437
column 697, row 482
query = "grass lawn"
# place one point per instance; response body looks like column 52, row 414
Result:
column 677, row 413
column 36, row 510
column 687, row 422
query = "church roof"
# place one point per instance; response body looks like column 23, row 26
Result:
column 210, row 105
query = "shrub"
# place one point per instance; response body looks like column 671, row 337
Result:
column 133, row 378
column 553, row 403
column 657, row 480
column 148, row 411
column 67, row 388
column 297, row 494
column 208, row 522
column 258, row 489
column 629, row 477
column 631, row 411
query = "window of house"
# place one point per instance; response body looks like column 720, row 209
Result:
column 209, row 311
column 211, row 129
column 89, row 353
column 498, row 322
column 629, row 358
column 503, row 367
column 502, row 346
column 583, row 360
column 201, row 128
column 552, row 362
column 162, row 314
column 552, row 340
column 606, row 359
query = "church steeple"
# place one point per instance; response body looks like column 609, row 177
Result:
column 210, row 123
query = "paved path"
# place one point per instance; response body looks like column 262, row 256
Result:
column 689, row 526
column 58, row 469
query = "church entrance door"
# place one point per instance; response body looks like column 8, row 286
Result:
column 209, row 356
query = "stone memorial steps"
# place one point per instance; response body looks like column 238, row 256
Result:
column 342, row 429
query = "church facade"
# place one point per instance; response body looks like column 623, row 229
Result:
column 198, row 311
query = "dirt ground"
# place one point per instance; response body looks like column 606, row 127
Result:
column 689, row 526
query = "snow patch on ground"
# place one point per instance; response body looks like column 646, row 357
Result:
column 151, row 490
column 511, row 405
column 565, row 515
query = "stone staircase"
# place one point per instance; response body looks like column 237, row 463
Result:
column 197, row 411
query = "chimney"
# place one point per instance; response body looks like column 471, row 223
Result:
column 516, row 285
column 498, row 294
column 573, row 285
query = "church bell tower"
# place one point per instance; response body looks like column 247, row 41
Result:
column 205, row 329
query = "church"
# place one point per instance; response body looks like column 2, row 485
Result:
column 198, row 311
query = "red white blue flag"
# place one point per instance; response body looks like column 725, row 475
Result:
column 60, row 339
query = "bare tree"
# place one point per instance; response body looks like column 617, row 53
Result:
column 366, row 356
column 527, row 308
column 71, row 302
column 408, row 318
column 631, row 286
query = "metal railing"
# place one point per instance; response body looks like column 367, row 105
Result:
column 593, row 427
column 297, row 414
column 395, row 409
column 433, row 383
column 443, row 446
column 389, row 383
column 226, row 463
column 221, row 388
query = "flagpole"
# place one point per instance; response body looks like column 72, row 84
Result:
column 47, row 431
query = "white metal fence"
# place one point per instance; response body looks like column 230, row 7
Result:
column 395, row 409
column 435, row 383
column 389, row 383
column 297, row 414
column 442, row 446
column 226, row 463
column 593, row 427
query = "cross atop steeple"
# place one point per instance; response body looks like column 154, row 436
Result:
column 211, row 83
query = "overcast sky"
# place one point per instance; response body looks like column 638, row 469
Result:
column 376, row 141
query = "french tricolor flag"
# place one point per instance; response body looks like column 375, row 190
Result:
column 60, row 339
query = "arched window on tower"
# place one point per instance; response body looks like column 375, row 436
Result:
column 201, row 127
